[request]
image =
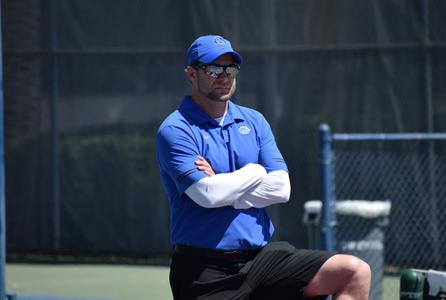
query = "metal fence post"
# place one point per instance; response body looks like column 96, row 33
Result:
column 55, row 138
column 327, row 195
column 2, row 183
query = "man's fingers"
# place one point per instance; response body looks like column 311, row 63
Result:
column 204, row 166
column 202, row 162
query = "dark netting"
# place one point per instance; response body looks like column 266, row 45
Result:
column 87, row 84
column 409, row 174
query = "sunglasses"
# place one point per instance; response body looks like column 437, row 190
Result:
column 214, row 70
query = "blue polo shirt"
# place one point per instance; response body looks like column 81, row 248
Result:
column 245, row 137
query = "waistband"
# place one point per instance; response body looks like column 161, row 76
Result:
column 226, row 255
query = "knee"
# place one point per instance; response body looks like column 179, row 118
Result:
column 341, row 274
column 357, row 268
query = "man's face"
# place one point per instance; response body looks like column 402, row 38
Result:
column 219, row 89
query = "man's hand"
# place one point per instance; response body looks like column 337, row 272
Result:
column 204, row 166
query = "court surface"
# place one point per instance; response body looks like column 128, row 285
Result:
column 106, row 282
column 87, row 282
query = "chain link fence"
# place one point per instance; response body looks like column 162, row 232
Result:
column 409, row 171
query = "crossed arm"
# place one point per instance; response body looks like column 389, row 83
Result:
column 250, row 186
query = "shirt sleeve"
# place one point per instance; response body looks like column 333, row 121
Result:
column 269, row 155
column 274, row 188
column 226, row 188
column 177, row 152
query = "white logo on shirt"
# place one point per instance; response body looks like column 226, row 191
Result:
column 244, row 130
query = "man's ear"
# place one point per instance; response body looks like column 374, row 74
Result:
column 190, row 73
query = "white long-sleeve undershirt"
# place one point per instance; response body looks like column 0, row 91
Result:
column 275, row 188
column 247, row 187
column 226, row 188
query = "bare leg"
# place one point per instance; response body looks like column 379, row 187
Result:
column 344, row 276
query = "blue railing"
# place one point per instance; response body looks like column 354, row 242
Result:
column 327, row 194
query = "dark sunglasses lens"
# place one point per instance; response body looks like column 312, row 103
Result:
column 213, row 70
column 232, row 71
column 216, row 70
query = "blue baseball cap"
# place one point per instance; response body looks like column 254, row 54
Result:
column 208, row 48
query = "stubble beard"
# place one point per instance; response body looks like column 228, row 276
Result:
column 221, row 98
column 215, row 98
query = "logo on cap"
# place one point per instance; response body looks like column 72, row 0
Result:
column 219, row 40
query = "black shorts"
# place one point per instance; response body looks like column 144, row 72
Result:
column 278, row 271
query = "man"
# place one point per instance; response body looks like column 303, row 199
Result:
column 220, row 168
